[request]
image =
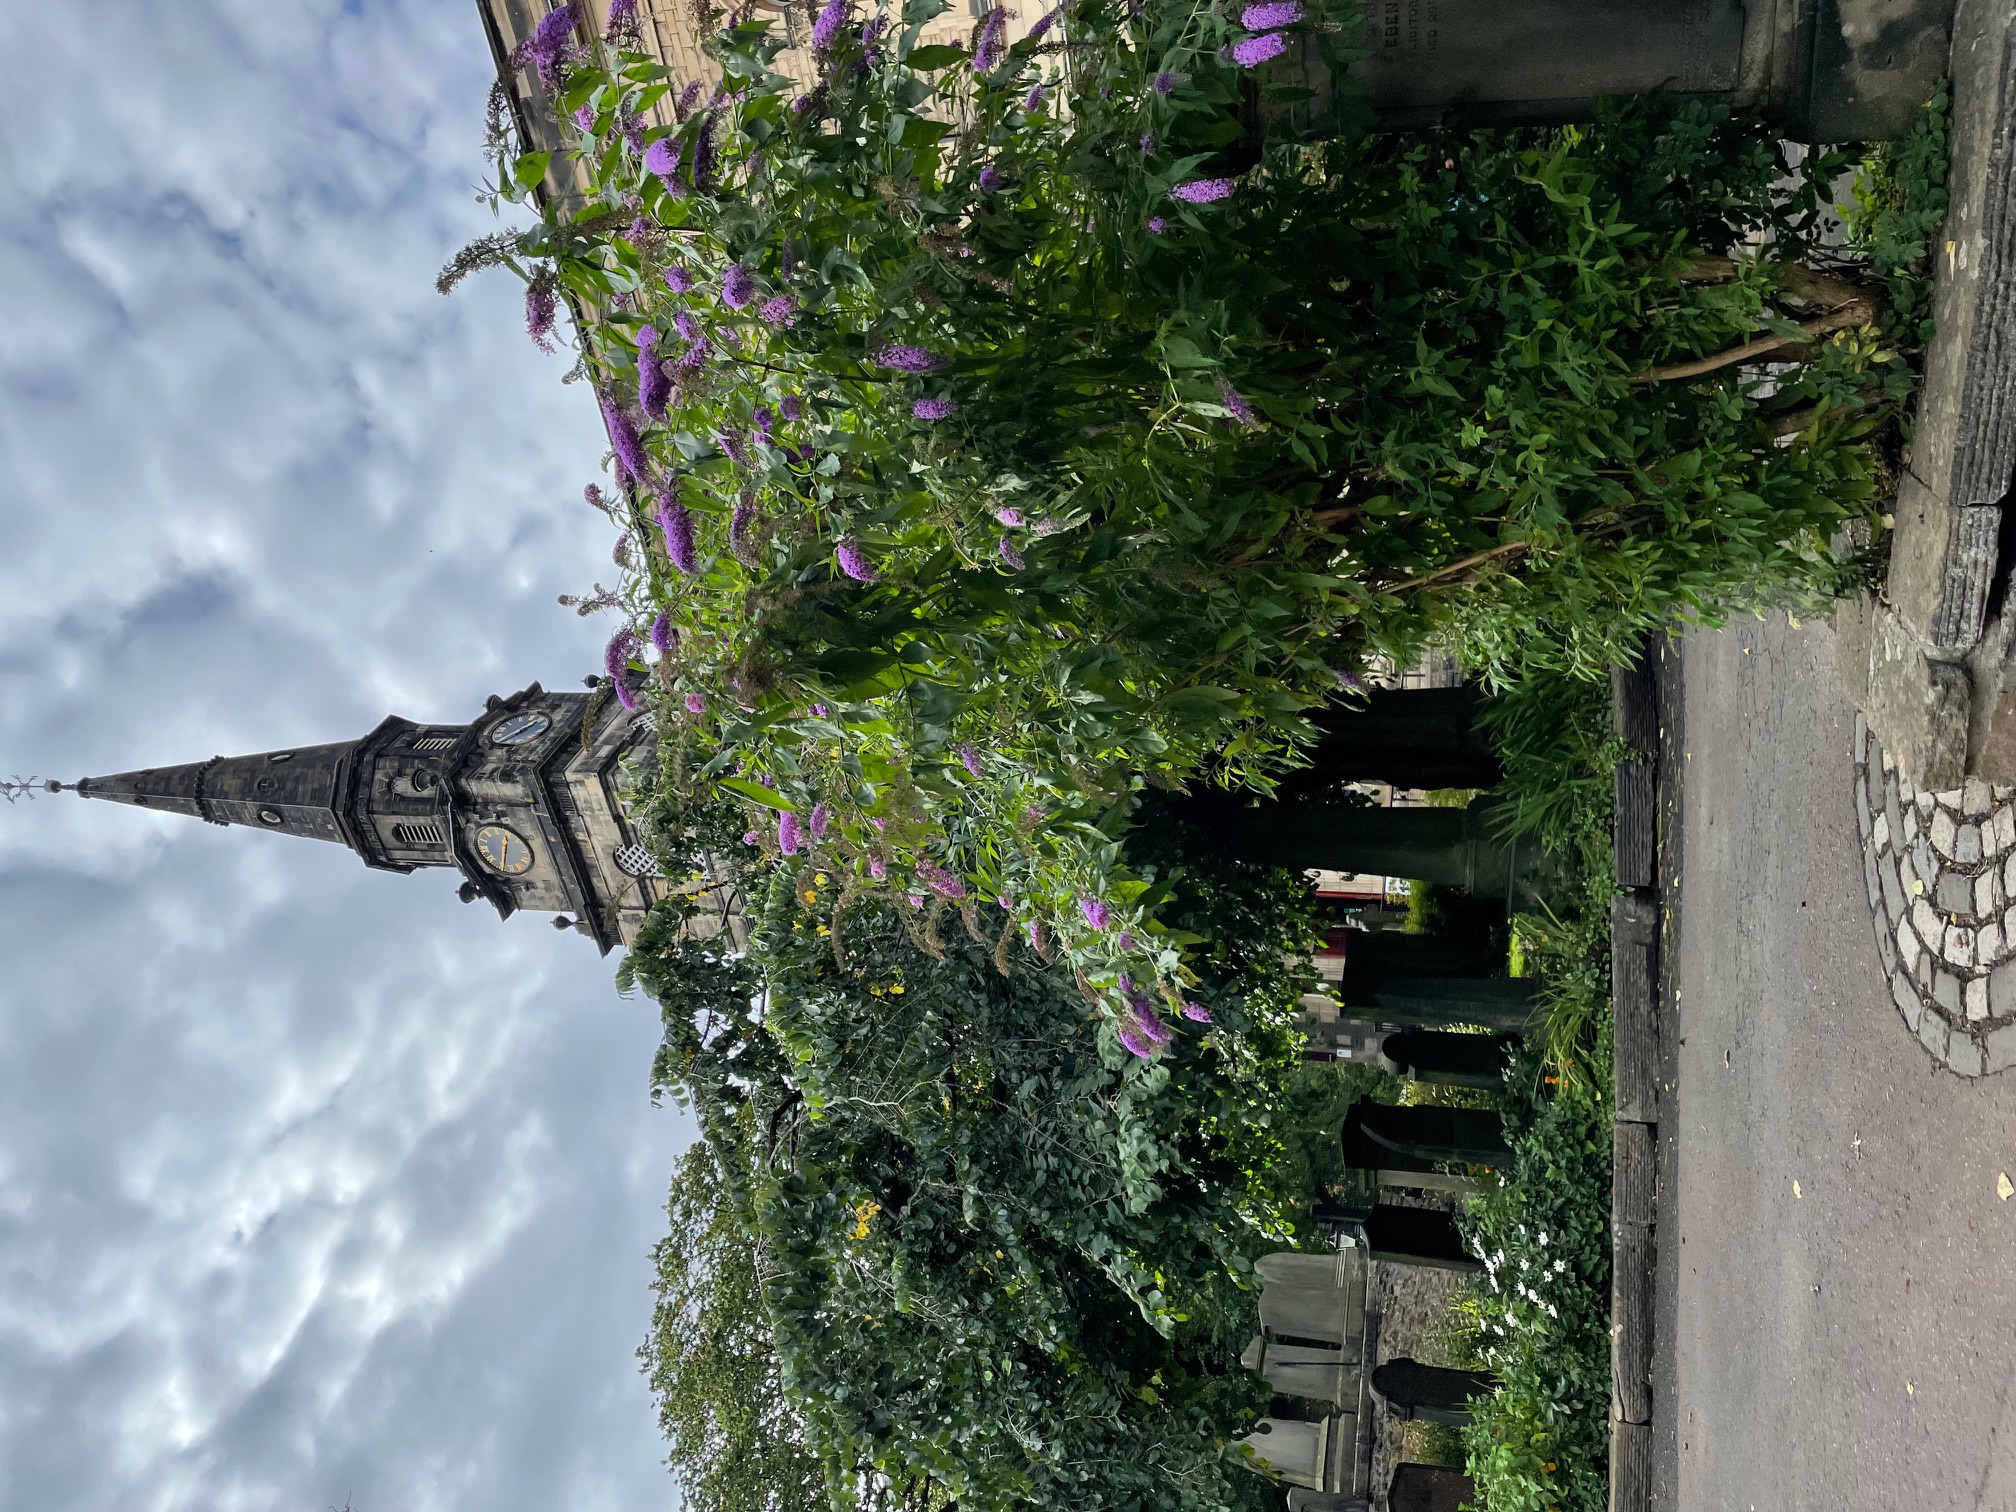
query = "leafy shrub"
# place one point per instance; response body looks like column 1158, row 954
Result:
column 1002, row 429
column 999, row 1260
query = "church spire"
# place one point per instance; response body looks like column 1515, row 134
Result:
column 527, row 802
column 292, row 792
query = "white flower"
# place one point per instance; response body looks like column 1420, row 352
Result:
column 1543, row 1238
column 1560, row 1266
column 1551, row 1312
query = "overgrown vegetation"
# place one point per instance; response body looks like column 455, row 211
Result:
column 1000, row 1260
column 1004, row 428
column 1002, row 432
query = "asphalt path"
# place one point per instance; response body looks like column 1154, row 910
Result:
column 1837, row 1321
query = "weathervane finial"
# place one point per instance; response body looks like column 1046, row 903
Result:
column 18, row 786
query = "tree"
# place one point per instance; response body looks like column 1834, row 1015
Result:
column 734, row 1441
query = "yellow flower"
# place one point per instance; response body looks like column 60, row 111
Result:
column 819, row 878
column 864, row 1214
column 895, row 989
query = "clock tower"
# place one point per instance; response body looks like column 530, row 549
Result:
column 527, row 803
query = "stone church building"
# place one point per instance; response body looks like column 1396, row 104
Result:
column 526, row 803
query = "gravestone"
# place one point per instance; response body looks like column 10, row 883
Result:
column 1451, row 1060
column 1429, row 1488
column 1431, row 1393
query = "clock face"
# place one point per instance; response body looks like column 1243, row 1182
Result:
column 504, row 850
column 520, row 728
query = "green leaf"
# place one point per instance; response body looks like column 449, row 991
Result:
column 758, row 793
column 530, row 168
column 937, row 55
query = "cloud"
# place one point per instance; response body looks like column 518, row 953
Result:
column 314, row 1183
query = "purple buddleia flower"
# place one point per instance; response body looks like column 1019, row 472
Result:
column 792, row 407
column 632, row 130
column 1048, row 527
column 905, row 358
column 547, row 48
column 542, row 303
column 623, row 439
column 991, row 180
column 1097, row 914
column 819, row 711
column 1043, row 24
column 763, row 421
column 1157, row 225
column 1257, row 50
column 737, row 287
column 1150, row 1022
column 750, row 837
column 654, row 389
column 679, row 280
column 1126, row 940
column 916, row 899
column 1203, row 191
column 730, row 441
column 1242, row 411
column 695, row 356
column 696, row 703
column 933, row 409
column 987, row 52
column 1348, row 679
column 678, row 527
column 877, row 868
column 1036, row 98
column 1271, row 15
column 688, row 98
column 969, row 758
column 616, row 655
column 780, row 310
column 703, row 155
column 1197, row 1013
column 826, row 29
column 872, row 32
column 622, row 16
column 821, row 817
column 1131, row 1038
column 854, row 562
column 661, row 160
column 1008, row 517
column 939, row 880
column 1148, row 143
column 585, row 119
column 787, row 833
column 738, row 526
column 687, row 324
column 787, row 261
column 1166, row 82
column 627, row 696
column 1010, row 555
column 661, row 633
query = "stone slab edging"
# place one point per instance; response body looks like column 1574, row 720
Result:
column 1634, row 996
column 1926, row 662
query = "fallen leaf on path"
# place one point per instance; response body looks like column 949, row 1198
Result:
column 2004, row 1188
column 1795, row 1189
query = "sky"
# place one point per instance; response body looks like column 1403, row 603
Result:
column 316, row 1185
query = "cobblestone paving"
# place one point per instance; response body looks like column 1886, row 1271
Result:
column 1941, row 873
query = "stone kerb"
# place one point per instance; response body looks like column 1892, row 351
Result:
column 1940, row 868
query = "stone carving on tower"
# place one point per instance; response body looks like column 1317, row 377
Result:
column 527, row 803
